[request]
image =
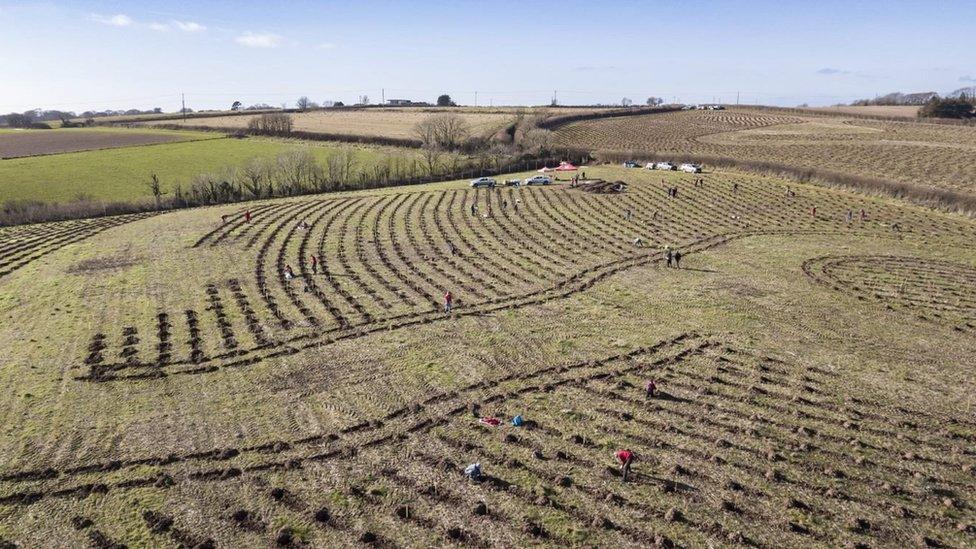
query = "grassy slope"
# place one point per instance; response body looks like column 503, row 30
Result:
column 750, row 293
column 122, row 174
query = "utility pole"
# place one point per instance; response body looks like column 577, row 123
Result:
column 736, row 99
column 383, row 96
column 475, row 98
column 183, row 99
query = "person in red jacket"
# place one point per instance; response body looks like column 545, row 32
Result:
column 626, row 458
column 315, row 264
column 247, row 216
column 448, row 301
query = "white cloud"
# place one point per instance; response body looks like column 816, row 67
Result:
column 326, row 46
column 831, row 71
column 159, row 27
column 593, row 68
column 119, row 20
column 189, row 26
column 259, row 40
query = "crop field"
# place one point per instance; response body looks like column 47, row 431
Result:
column 932, row 155
column 167, row 385
column 893, row 111
column 14, row 144
column 123, row 173
column 396, row 122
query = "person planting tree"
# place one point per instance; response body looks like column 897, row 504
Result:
column 626, row 459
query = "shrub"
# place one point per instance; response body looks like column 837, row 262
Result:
column 948, row 108
column 277, row 123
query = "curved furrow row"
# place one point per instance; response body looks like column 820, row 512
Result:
column 342, row 256
column 398, row 251
column 467, row 249
column 329, row 274
column 383, row 279
column 494, row 254
column 433, row 254
column 501, row 232
column 279, row 276
column 436, row 249
column 530, row 234
column 287, row 211
column 223, row 230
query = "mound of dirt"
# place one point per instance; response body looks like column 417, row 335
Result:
column 600, row 186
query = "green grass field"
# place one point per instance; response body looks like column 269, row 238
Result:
column 123, row 173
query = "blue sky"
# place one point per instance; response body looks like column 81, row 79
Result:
column 86, row 54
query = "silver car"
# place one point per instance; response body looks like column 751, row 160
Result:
column 538, row 180
column 483, row 182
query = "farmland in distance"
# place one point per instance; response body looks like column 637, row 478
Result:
column 917, row 153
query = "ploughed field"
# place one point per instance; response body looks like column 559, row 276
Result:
column 167, row 385
column 20, row 143
column 924, row 154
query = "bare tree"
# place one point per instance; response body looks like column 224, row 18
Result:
column 427, row 132
column 340, row 167
column 298, row 171
column 455, row 159
column 450, row 130
column 431, row 157
column 252, row 177
column 626, row 102
column 302, row 103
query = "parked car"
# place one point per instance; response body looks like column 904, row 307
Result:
column 690, row 167
column 631, row 164
column 649, row 166
column 513, row 182
column 538, row 180
column 664, row 166
column 483, row 182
